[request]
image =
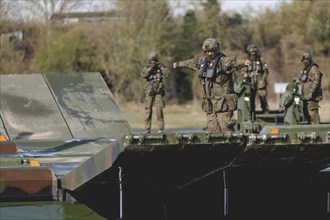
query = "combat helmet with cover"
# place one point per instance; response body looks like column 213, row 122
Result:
column 211, row 44
column 153, row 56
column 252, row 48
column 307, row 56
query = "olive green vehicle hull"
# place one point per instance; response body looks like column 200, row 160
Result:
column 71, row 154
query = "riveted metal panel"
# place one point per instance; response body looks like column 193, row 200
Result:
column 88, row 106
column 28, row 109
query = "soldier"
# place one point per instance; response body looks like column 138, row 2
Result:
column 257, row 74
column 215, row 73
column 309, row 84
column 154, row 73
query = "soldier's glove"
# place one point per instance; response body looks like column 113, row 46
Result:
column 247, row 62
column 246, row 75
column 310, row 96
column 175, row 65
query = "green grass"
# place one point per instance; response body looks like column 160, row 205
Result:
column 189, row 115
column 176, row 116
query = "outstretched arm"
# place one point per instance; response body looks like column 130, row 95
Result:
column 193, row 63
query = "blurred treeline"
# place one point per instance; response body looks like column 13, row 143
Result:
column 120, row 47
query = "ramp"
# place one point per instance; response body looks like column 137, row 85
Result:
column 59, row 106
column 69, row 123
column 28, row 109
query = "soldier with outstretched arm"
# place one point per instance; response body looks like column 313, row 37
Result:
column 215, row 73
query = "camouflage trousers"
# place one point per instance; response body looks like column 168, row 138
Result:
column 311, row 112
column 156, row 100
column 262, row 93
column 220, row 121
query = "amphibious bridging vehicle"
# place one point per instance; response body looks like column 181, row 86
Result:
column 67, row 152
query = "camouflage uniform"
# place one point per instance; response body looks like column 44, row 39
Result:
column 257, row 74
column 215, row 75
column 310, row 88
column 154, row 92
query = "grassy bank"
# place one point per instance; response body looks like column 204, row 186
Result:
column 176, row 116
column 189, row 115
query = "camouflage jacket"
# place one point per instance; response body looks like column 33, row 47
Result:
column 258, row 72
column 222, row 82
column 310, row 81
column 154, row 76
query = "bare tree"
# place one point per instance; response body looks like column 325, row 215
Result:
column 127, row 43
column 42, row 9
column 8, row 11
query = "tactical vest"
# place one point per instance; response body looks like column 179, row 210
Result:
column 306, row 86
column 208, row 74
column 304, row 72
column 207, row 70
column 256, row 65
column 155, row 74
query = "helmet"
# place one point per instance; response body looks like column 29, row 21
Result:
column 252, row 48
column 153, row 56
column 307, row 56
column 211, row 44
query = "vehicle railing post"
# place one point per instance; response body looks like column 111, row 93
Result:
column 120, row 194
column 225, row 193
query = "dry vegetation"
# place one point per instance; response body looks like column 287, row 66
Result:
column 176, row 116
column 119, row 48
column 191, row 115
